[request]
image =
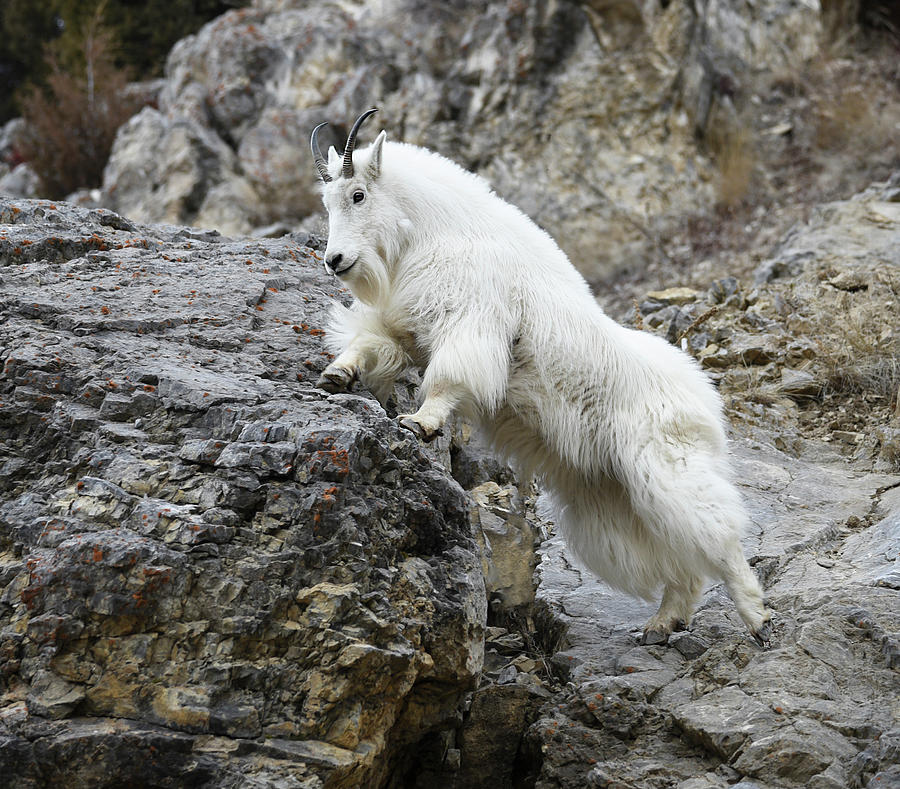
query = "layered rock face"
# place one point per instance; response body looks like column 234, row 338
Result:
column 582, row 114
column 213, row 574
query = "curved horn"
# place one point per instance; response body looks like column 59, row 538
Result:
column 351, row 142
column 321, row 164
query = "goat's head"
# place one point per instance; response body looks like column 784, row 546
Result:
column 359, row 217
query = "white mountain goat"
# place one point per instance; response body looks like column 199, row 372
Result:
column 624, row 431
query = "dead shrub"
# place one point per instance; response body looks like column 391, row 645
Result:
column 860, row 353
column 73, row 121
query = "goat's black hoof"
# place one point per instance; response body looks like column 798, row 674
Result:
column 650, row 637
column 763, row 635
column 417, row 430
column 335, row 380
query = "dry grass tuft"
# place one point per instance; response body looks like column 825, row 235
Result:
column 852, row 366
column 859, row 354
column 733, row 152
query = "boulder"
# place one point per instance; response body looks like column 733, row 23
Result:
column 211, row 572
column 20, row 181
column 185, row 172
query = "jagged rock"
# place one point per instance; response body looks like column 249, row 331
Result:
column 724, row 721
column 583, row 114
column 723, row 289
column 508, row 537
column 212, row 572
column 679, row 295
column 800, row 384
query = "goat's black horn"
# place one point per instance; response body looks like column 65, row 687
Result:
column 351, row 142
column 321, row 164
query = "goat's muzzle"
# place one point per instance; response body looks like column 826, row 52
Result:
column 337, row 264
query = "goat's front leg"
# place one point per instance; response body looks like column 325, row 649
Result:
column 436, row 409
column 373, row 356
column 344, row 370
column 466, row 368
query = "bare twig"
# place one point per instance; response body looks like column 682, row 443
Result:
column 697, row 321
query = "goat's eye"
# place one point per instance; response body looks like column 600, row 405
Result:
column 358, row 197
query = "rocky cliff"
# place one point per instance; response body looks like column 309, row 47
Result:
column 586, row 115
column 212, row 572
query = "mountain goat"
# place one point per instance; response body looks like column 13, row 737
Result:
column 624, row 431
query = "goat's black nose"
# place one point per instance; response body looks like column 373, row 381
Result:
column 334, row 261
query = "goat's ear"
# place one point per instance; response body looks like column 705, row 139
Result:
column 333, row 155
column 373, row 169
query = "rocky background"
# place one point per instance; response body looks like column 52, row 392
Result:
column 214, row 574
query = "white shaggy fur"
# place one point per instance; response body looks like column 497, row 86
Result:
column 625, row 431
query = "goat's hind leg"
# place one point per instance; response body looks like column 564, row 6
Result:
column 745, row 591
column 675, row 611
column 698, row 513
